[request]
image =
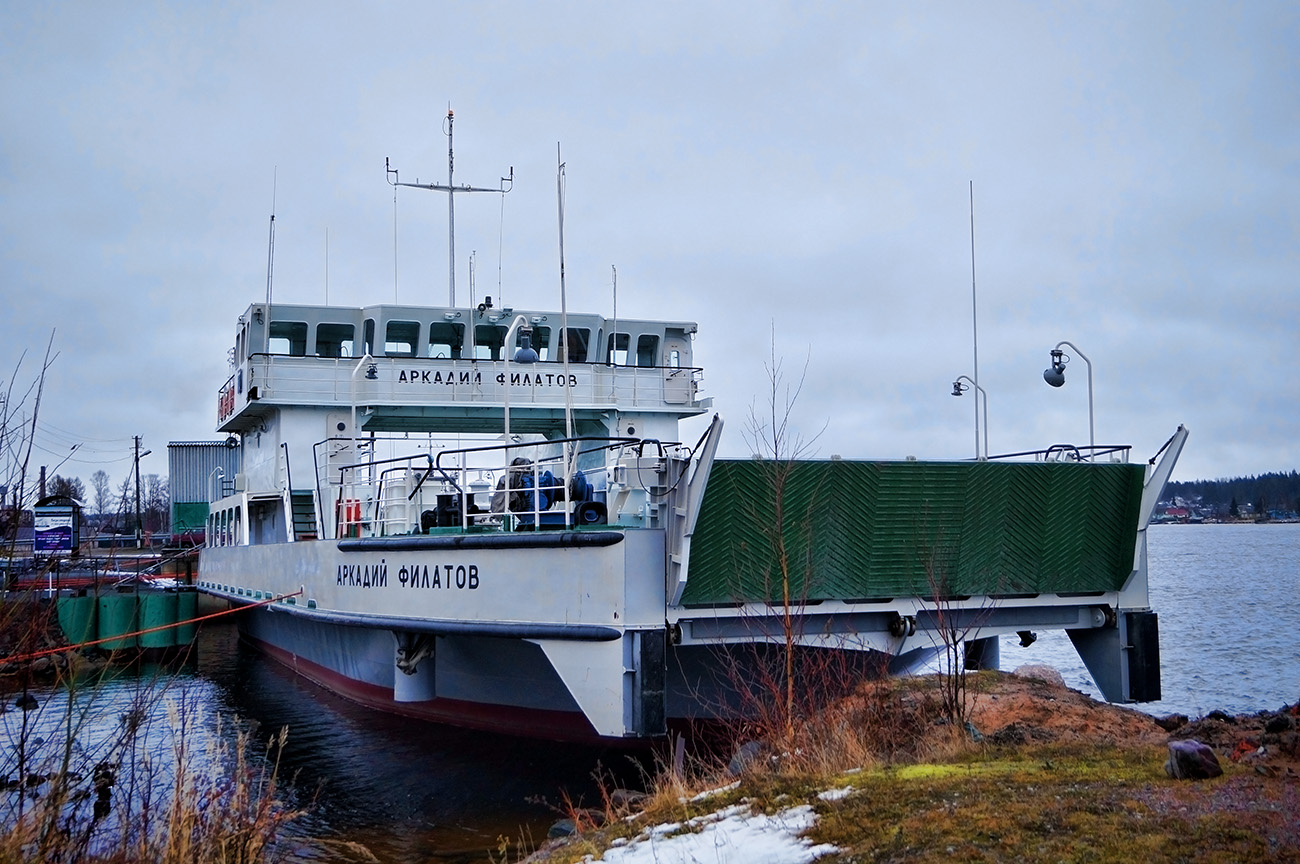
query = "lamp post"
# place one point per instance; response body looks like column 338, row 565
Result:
column 959, row 388
column 1055, row 376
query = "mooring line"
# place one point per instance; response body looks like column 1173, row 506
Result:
column 21, row 657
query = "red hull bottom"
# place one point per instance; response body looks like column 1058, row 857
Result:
column 565, row 726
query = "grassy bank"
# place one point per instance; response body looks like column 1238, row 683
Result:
column 1053, row 777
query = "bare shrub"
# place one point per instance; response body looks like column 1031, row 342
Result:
column 808, row 705
column 144, row 793
column 955, row 624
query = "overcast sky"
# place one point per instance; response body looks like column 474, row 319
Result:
column 793, row 177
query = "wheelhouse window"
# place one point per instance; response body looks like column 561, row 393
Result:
column 539, row 340
column 401, row 337
column 577, row 341
column 488, row 339
column 616, row 348
column 335, row 340
column 446, row 340
column 288, row 337
column 647, row 350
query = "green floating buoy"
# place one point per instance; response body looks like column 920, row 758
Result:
column 187, row 608
column 118, row 615
column 77, row 618
column 157, row 609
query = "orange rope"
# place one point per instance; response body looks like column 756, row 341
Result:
column 17, row 658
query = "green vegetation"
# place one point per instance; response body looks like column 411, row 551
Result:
column 1078, row 802
column 1081, row 804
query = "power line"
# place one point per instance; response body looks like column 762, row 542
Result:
column 55, row 431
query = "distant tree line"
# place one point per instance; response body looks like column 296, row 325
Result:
column 114, row 508
column 1264, row 493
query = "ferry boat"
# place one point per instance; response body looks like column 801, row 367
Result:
column 487, row 516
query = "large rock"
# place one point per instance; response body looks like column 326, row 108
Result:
column 1041, row 671
column 1191, row 760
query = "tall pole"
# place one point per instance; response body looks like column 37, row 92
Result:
column 564, row 307
column 451, row 218
column 138, row 535
column 974, row 321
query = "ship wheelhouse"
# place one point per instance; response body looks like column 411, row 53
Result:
column 318, row 395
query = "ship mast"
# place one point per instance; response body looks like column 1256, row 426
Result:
column 451, row 189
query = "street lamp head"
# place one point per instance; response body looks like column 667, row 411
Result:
column 1055, row 375
column 958, row 388
column 525, row 354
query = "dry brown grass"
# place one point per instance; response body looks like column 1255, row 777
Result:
column 78, row 789
column 1056, row 777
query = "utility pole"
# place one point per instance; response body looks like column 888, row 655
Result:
column 139, row 538
column 139, row 527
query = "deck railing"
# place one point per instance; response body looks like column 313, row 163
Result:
column 415, row 381
column 495, row 487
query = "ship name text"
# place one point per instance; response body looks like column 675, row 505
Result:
column 459, row 576
column 436, row 377
column 464, row 577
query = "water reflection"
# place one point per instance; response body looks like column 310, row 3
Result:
column 407, row 790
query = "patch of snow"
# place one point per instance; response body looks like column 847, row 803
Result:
column 709, row 793
column 835, row 794
column 731, row 836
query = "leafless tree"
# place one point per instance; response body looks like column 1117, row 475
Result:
column 778, row 447
column 157, row 502
column 72, row 487
column 103, row 490
column 17, row 438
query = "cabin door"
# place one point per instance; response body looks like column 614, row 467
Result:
column 677, row 378
column 338, row 453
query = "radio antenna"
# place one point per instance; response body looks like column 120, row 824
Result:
column 560, row 180
column 451, row 189
column 270, row 264
column 270, row 242
column 393, row 173
column 975, row 334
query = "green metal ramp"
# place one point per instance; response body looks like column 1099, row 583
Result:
column 863, row 531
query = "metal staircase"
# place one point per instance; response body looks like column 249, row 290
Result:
column 304, row 515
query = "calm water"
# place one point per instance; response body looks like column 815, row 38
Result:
column 405, row 790
column 1227, row 596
